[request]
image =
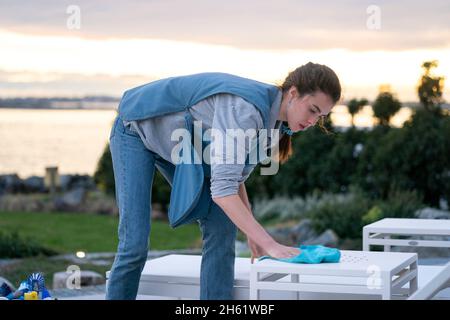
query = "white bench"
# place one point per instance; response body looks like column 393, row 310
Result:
column 178, row 276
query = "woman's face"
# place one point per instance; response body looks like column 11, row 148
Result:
column 303, row 112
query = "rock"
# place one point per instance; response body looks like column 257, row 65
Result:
column 70, row 182
column 64, row 181
column 3, row 280
column 34, row 184
column 70, row 200
column 11, row 183
column 25, row 202
column 328, row 239
column 87, row 278
column 82, row 181
column 98, row 202
column 432, row 213
column 282, row 235
column 303, row 234
column 303, row 231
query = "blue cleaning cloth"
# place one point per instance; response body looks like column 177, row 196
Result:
column 311, row 254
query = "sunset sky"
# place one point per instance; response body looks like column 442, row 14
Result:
column 124, row 44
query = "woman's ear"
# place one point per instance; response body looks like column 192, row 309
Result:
column 293, row 92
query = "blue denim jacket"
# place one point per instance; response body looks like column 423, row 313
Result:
column 190, row 198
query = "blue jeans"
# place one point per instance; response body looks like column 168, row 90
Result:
column 134, row 167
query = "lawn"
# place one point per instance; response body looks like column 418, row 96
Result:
column 71, row 232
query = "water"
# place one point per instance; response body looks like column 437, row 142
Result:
column 365, row 118
column 74, row 140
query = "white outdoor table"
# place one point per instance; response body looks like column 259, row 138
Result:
column 358, row 272
column 383, row 231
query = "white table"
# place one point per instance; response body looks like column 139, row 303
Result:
column 382, row 233
column 362, row 273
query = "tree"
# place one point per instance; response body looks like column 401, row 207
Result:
column 354, row 106
column 104, row 175
column 411, row 158
column 104, row 179
column 385, row 107
column 431, row 87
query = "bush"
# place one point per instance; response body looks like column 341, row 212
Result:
column 342, row 213
column 321, row 163
column 104, row 174
column 348, row 213
column 12, row 245
column 283, row 208
column 104, row 178
column 374, row 214
column 415, row 157
column 401, row 204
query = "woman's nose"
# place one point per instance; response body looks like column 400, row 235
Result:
column 312, row 121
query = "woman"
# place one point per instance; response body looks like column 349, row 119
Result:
column 213, row 194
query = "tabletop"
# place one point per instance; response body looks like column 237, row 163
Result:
column 352, row 263
column 411, row 226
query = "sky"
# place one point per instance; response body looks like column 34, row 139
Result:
column 78, row 47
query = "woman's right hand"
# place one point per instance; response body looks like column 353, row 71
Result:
column 278, row 251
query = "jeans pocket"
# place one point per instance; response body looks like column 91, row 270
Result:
column 130, row 131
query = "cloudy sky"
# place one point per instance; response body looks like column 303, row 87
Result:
column 123, row 44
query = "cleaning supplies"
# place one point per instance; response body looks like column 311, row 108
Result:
column 31, row 289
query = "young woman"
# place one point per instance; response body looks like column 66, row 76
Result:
column 212, row 194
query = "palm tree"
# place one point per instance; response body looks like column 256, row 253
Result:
column 354, row 106
column 431, row 87
column 385, row 107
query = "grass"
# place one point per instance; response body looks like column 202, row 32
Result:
column 71, row 232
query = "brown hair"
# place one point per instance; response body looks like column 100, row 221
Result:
column 308, row 79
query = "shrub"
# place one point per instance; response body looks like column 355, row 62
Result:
column 283, row 208
column 104, row 178
column 401, row 204
column 342, row 213
column 12, row 245
column 415, row 157
column 104, row 174
column 374, row 214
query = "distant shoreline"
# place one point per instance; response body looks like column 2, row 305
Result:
column 106, row 103
column 61, row 103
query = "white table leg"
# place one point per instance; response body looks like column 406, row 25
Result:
column 413, row 284
column 254, row 292
column 366, row 246
column 295, row 279
column 386, row 291
column 387, row 247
